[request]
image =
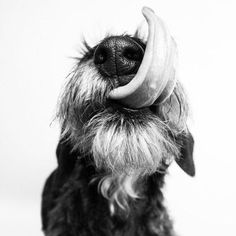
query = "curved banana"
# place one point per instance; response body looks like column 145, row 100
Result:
column 155, row 79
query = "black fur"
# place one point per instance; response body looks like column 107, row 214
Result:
column 73, row 206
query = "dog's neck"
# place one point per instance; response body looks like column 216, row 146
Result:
column 73, row 165
column 147, row 215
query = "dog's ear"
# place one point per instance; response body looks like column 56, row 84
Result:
column 65, row 157
column 185, row 161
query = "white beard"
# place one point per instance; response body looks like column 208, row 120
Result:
column 126, row 143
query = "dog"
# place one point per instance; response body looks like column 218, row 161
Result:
column 123, row 116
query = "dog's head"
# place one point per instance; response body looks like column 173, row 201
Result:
column 123, row 105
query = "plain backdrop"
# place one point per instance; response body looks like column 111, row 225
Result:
column 38, row 38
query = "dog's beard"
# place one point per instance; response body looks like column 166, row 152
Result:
column 125, row 144
column 128, row 142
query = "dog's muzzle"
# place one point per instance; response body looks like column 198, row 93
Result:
column 119, row 57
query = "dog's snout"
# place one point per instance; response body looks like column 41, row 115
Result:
column 118, row 56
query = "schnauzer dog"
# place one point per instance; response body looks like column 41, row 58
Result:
column 123, row 116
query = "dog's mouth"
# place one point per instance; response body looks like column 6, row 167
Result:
column 114, row 106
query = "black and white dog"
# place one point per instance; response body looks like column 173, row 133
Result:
column 123, row 116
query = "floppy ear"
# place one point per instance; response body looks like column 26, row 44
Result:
column 66, row 158
column 185, row 161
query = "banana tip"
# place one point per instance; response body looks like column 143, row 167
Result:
column 146, row 9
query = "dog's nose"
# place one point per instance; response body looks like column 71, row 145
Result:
column 118, row 56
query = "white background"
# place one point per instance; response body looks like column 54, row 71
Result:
column 37, row 39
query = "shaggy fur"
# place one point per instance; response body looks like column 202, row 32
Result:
column 112, row 159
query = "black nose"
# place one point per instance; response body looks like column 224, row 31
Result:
column 118, row 55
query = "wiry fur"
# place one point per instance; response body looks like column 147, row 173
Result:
column 112, row 160
column 128, row 144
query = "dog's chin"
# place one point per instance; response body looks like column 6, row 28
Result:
column 123, row 141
